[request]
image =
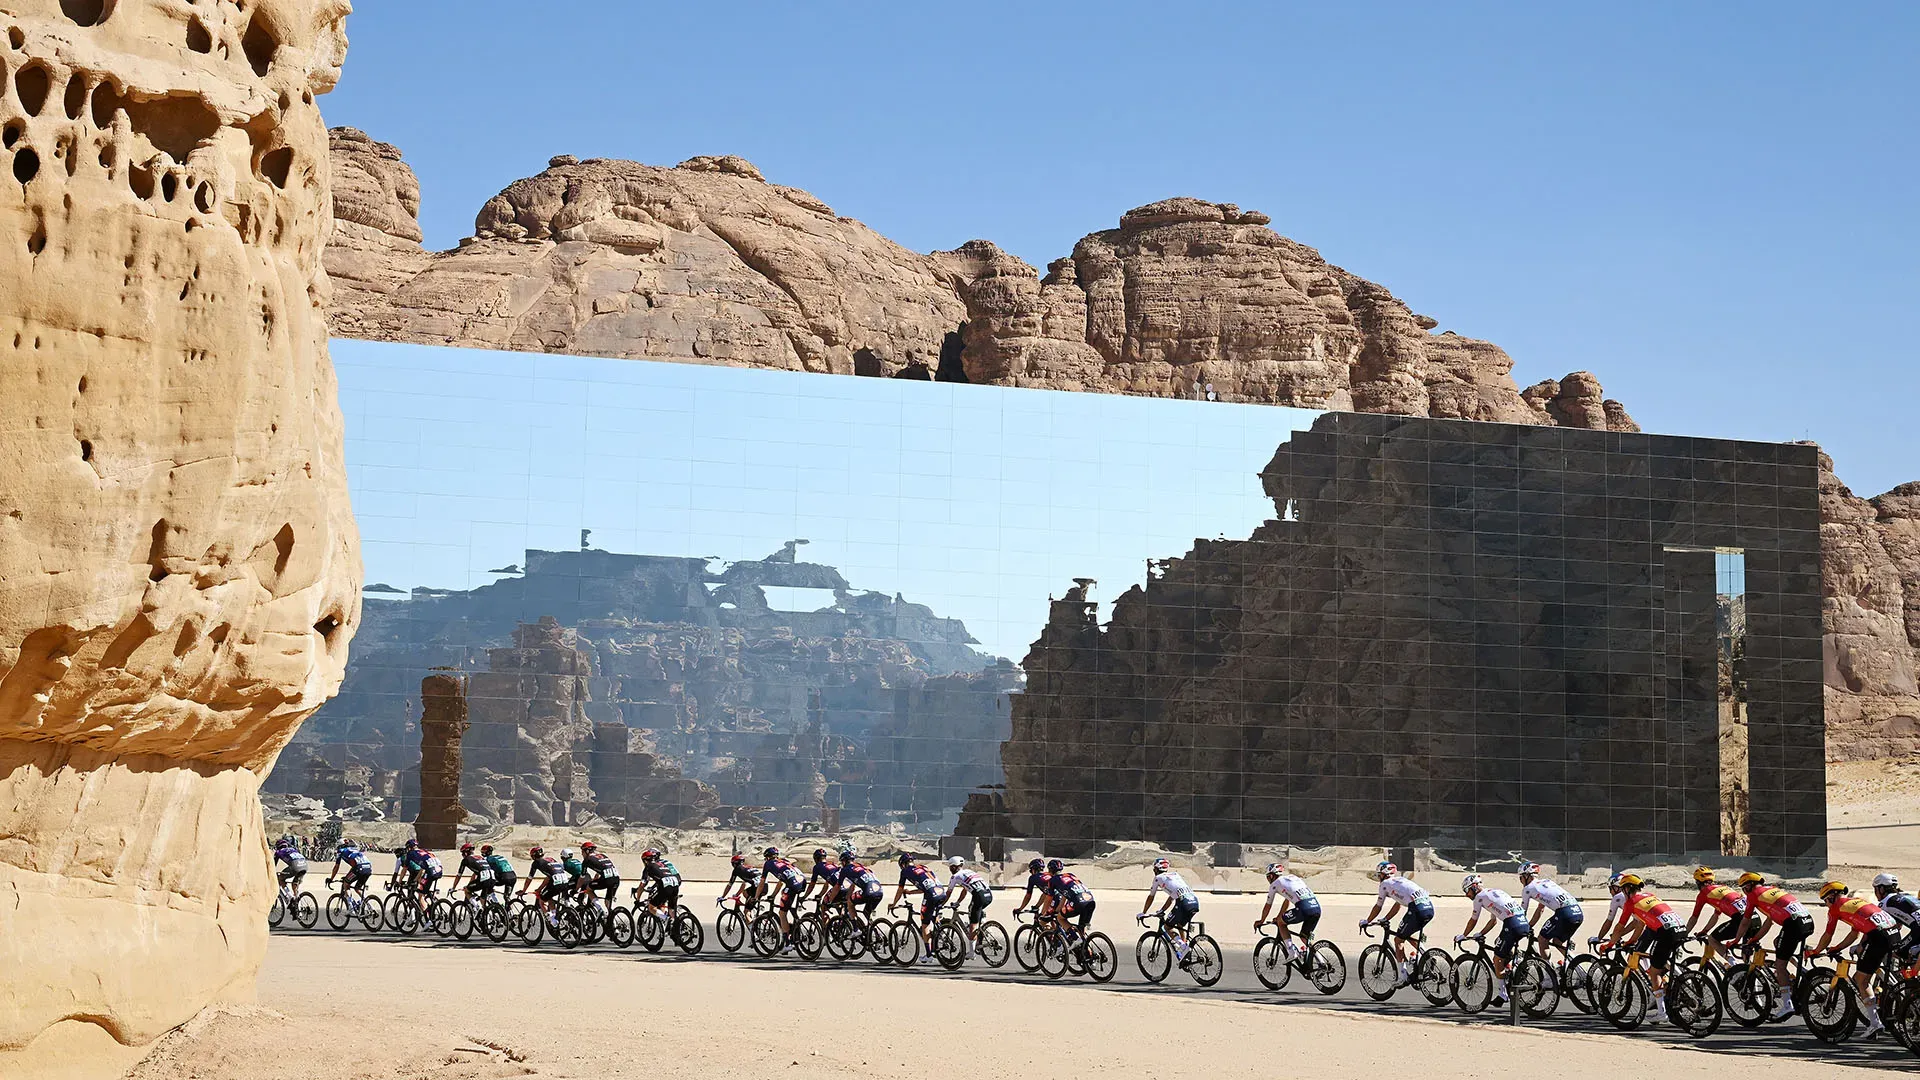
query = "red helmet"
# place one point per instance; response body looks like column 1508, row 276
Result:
column 649, row 855
column 738, row 859
column 586, row 845
column 466, row 849
column 536, row 851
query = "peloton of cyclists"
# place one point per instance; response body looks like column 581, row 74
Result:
column 1298, row 905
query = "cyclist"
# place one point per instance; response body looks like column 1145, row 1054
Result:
column 479, row 868
column 359, row 867
column 1770, row 904
column 1297, row 905
column 1660, row 940
column 1502, row 911
column 1179, row 909
column 599, row 872
column 1549, row 898
column 1724, row 899
column 1067, row 898
column 859, row 885
column 1904, row 909
column 423, row 869
column 1037, row 881
column 503, row 876
column 824, row 870
column 663, row 898
column 1402, row 892
column 557, row 875
column 933, row 897
column 1874, row 929
column 970, row 885
column 743, row 882
column 290, row 875
column 778, row 871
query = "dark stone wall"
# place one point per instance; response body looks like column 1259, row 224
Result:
column 443, row 721
column 1477, row 637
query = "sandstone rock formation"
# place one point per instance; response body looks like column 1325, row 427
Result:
column 710, row 263
column 443, row 722
column 1870, row 555
column 179, row 570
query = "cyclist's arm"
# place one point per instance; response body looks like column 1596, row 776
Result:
column 1025, row 898
column 1153, row 891
column 1539, row 909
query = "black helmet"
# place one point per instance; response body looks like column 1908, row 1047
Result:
column 1055, row 865
column 819, row 854
column 1037, row 865
column 906, row 859
column 772, row 853
column 846, row 856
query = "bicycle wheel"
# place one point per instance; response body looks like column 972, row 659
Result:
column 410, row 916
column 440, row 917
column 1623, row 999
column 529, row 924
column 493, row 921
column 650, row 930
column 907, row 944
column 569, row 928
column 620, row 927
column 1026, row 948
column 337, row 916
column 1906, row 1023
column 1153, row 955
column 1204, row 961
column 1327, row 968
column 730, row 930
column 880, row 941
column 766, row 936
column 1693, row 1003
column 1270, row 964
column 1433, row 977
column 1751, row 996
column 1831, row 1009
column 1582, row 982
column 686, row 932
column 1472, row 983
column 1379, row 972
column 462, row 919
column 1531, row 983
column 1053, row 956
column 369, row 915
column 277, row 914
column 839, row 937
column 809, row 937
column 1102, row 960
column 993, row 945
column 950, row 945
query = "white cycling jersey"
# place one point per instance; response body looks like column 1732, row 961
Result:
column 1401, row 891
column 1171, row 883
column 1497, row 903
column 1616, row 905
column 965, row 879
column 1291, row 887
column 1542, row 891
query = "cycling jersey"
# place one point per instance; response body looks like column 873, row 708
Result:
column 1860, row 913
column 1653, row 912
column 355, row 858
column 1775, row 903
column 1290, row 886
column 1171, row 883
column 1040, row 883
column 748, row 874
column 663, row 873
column 920, row 878
column 555, row 873
column 859, row 877
column 1548, row 894
column 601, row 866
column 573, row 867
column 1724, row 899
column 785, row 872
column 1067, row 892
column 502, row 867
column 970, row 881
column 1496, row 903
column 296, row 862
column 1904, row 909
column 1402, row 891
column 481, row 870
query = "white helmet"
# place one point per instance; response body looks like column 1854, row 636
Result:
column 1161, row 866
column 1886, row 881
column 1529, row 869
column 1274, row 869
column 1470, row 883
column 566, row 853
column 956, row 861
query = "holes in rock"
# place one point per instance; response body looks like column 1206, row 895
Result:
column 83, row 384
column 203, row 197
column 37, row 243
column 16, row 38
column 86, row 450
column 86, row 12
column 11, row 134
column 283, row 549
column 32, row 84
column 198, row 39
column 277, row 165
column 169, row 187
column 259, row 46
column 76, row 99
column 106, row 102
column 142, row 180
column 326, row 628
column 26, row 164
column 174, row 124
column 107, row 157
column 157, row 550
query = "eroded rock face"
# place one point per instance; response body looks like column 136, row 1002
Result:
column 375, row 246
column 1870, row 559
column 178, row 564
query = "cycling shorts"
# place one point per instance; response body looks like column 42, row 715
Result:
column 666, row 896
column 869, row 902
column 931, row 902
column 1511, row 931
column 1794, row 934
column 430, row 880
column 790, row 895
column 979, row 909
column 1662, row 945
column 1561, row 925
column 606, row 881
column 1417, row 916
column 1182, row 913
column 288, row 873
column 1874, row 948
column 1727, row 932
column 1081, row 915
column 358, row 876
column 1305, row 915
column 505, row 881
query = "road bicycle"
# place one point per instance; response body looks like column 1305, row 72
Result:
column 556, row 918
column 1743, row 976
column 349, row 904
column 1321, row 962
column 1626, row 991
column 1157, row 948
column 1059, row 949
column 305, row 909
column 1536, row 979
column 730, row 926
column 653, row 929
column 1381, row 976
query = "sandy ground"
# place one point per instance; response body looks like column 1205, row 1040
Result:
column 382, row 1007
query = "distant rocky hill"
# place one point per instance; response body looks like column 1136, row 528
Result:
column 708, row 262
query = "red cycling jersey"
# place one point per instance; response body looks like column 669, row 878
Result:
column 1651, row 910
column 1860, row 913
column 1775, row 903
column 1724, row 899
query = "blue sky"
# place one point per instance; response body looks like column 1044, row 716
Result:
column 978, row 501
column 1709, row 205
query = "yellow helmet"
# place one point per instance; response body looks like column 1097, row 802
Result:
column 1832, row 889
column 1749, row 879
column 1631, row 881
column 1703, row 875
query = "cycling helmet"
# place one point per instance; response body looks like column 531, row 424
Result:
column 348, row 845
column 1161, row 866
column 1274, row 869
column 536, row 851
column 1833, row 890
column 771, row 853
column 906, row 859
column 846, row 856
column 586, row 845
column 486, row 849
column 283, row 842
column 412, row 843
column 1703, row 875
column 466, row 849
column 738, row 858
column 1385, row 870
column 1886, row 881
column 1749, row 879
column 566, row 853
column 1471, row 884
column 1631, row 881
column 1528, row 870
column 400, row 850
column 819, row 854
column 956, row 862
column 1036, row 865
column 1054, row 866
column 649, row 855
